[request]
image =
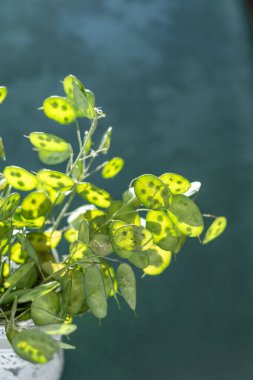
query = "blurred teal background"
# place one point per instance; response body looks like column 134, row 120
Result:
column 176, row 81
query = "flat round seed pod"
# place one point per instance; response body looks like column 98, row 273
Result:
column 133, row 238
column 56, row 180
column 127, row 284
column 216, row 228
column 59, row 109
column 113, row 167
column 46, row 141
column 95, row 292
column 9, row 206
column 3, row 93
column 55, row 196
column 71, row 235
column 80, row 251
column 101, row 245
column 186, row 216
column 115, row 225
column 44, row 241
column 18, row 255
column 139, row 259
column 123, row 253
column 119, row 211
column 20, row 178
column 35, row 346
column 35, row 204
column 180, row 244
column 68, row 85
column 76, row 295
column 94, row 194
column 2, row 151
column 20, row 221
column 176, row 183
column 152, row 192
column 159, row 260
column 164, row 233
column 110, row 282
column 45, row 309
column 53, row 158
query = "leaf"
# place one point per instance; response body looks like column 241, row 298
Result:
column 39, row 290
column 95, row 292
column 216, row 229
column 133, row 238
column 152, row 192
column 127, row 284
column 2, row 151
column 56, row 180
column 176, row 183
column 53, row 158
column 164, row 233
column 186, row 216
column 159, row 260
column 48, row 142
column 3, row 93
column 35, row 204
column 35, row 346
column 59, row 329
column 59, row 109
column 94, row 194
column 20, row 178
column 9, row 206
column 83, row 232
column 113, row 167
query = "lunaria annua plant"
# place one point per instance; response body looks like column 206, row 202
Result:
column 106, row 237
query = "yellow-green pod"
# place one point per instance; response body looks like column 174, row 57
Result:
column 71, row 235
column 94, row 194
column 176, row 183
column 164, row 233
column 76, row 295
column 18, row 255
column 55, row 196
column 3, row 93
column 133, row 238
column 56, row 180
column 53, row 158
column 79, row 251
column 35, row 346
column 20, row 178
column 113, row 167
column 139, row 259
column 152, row 192
column 95, row 292
column 68, row 85
column 20, row 221
column 59, row 109
column 35, row 204
column 110, row 282
column 45, row 309
column 119, row 211
column 186, row 216
column 101, row 244
column 216, row 228
column 2, row 151
column 159, row 260
column 46, row 141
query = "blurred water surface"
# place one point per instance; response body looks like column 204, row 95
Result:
column 176, row 81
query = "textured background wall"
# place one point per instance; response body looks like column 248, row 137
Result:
column 176, row 80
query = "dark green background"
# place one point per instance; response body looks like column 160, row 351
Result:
column 176, row 81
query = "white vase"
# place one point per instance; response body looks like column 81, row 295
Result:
column 12, row 367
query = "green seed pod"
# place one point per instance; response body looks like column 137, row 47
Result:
column 3, row 93
column 133, row 238
column 216, row 229
column 35, row 204
column 48, row 142
column 45, row 309
column 94, row 194
column 76, row 295
column 2, row 151
column 20, row 178
column 59, row 109
column 113, row 167
column 159, row 260
column 127, row 284
column 95, row 292
column 53, row 158
column 176, row 183
column 56, row 180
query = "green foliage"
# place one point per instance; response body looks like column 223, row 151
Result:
column 106, row 237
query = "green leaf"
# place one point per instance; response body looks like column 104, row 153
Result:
column 176, row 183
column 186, row 216
column 35, row 346
column 133, row 238
column 113, row 167
column 216, row 229
column 59, row 109
column 152, row 192
column 95, row 292
column 39, row 290
column 3, row 93
column 20, row 178
column 127, row 284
